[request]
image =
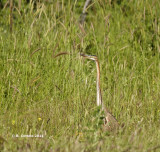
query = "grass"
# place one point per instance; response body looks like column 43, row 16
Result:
column 56, row 97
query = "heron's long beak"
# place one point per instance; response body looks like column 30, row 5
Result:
column 91, row 57
column 84, row 55
column 87, row 56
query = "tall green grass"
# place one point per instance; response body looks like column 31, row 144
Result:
column 56, row 97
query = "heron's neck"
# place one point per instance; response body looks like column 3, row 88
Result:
column 99, row 96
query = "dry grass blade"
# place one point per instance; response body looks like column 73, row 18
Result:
column 35, row 51
column 61, row 53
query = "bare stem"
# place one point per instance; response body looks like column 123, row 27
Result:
column 83, row 15
column 11, row 15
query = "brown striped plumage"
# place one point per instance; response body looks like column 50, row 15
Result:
column 110, row 122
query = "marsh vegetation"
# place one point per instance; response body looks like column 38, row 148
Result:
column 55, row 98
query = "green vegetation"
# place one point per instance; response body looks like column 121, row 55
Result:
column 56, row 97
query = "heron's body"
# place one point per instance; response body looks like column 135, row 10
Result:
column 110, row 122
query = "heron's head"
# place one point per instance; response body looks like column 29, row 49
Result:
column 91, row 57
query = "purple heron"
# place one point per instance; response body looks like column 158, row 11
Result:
column 110, row 122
